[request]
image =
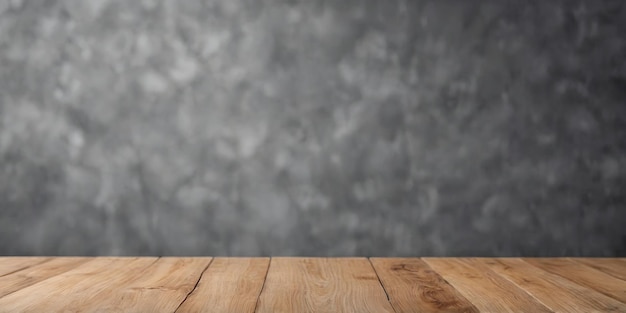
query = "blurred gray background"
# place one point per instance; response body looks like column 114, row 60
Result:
column 313, row 128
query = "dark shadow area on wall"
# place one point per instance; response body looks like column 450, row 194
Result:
column 316, row 128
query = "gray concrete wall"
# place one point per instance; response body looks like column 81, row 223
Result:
column 318, row 128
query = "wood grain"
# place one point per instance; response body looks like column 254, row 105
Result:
column 70, row 290
column 557, row 293
column 123, row 284
column 12, row 264
column 32, row 275
column 487, row 290
column 613, row 267
column 322, row 285
column 413, row 286
column 228, row 285
column 584, row 276
column 162, row 287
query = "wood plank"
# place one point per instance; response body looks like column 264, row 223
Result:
column 614, row 267
column 322, row 285
column 413, row 286
column 583, row 275
column 68, row 291
column 488, row 291
column 32, row 275
column 228, row 285
column 12, row 264
column 556, row 292
column 161, row 288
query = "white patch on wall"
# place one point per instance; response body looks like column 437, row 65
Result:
column 76, row 142
column 347, row 121
column 185, row 70
column 250, row 139
column 213, row 42
column 153, row 82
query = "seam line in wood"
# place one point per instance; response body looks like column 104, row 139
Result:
column 195, row 286
column 381, row 284
column 26, row 267
column 523, row 289
column 258, row 298
column 567, row 278
column 55, row 275
column 579, row 263
column 587, row 286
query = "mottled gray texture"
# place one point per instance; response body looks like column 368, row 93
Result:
column 326, row 128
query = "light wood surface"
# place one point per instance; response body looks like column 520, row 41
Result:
column 172, row 284
column 162, row 287
column 487, row 290
column 413, row 286
column 322, row 285
column 229, row 285
column 557, row 293
column 39, row 272
column 13, row 264
column 613, row 267
column 584, row 275
column 59, row 292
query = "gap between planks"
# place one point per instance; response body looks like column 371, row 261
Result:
column 25, row 264
column 323, row 285
column 476, row 263
column 263, row 285
column 258, row 298
column 195, row 286
column 381, row 283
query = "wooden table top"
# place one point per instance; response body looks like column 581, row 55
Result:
column 173, row 284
